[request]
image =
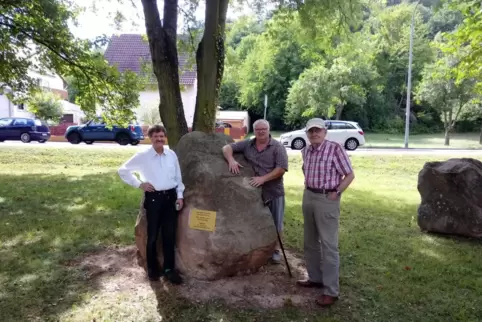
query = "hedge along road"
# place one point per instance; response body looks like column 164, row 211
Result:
column 359, row 151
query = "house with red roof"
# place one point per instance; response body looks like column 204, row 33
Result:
column 131, row 52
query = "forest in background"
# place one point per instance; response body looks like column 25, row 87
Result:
column 360, row 75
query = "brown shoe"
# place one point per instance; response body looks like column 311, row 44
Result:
column 326, row 300
column 308, row 283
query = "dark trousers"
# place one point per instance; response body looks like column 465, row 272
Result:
column 161, row 215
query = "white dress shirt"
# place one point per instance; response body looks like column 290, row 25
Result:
column 161, row 170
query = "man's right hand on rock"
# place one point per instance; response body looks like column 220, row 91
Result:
column 234, row 166
column 146, row 186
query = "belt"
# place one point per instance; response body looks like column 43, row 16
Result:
column 322, row 191
column 162, row 192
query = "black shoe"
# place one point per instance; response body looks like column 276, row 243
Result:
column 173, row 277
column 154, row 275
column 154, row 278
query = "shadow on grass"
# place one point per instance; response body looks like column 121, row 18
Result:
column 390, row 270
column 47, row 220
column 174, row 308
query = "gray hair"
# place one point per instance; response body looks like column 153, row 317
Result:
column 260, row 121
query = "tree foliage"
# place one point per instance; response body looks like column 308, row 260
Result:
column 324, row 92
column 469, row 37
column 373, row 45
column 45, row 105
column 150, row 116
column 440, row 89
column 276, row 58
column 34, row 36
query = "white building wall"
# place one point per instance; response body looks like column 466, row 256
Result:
column 8, row 109
column 189, row 102
column 150, row 99
column 5, row 107
column 48, row 81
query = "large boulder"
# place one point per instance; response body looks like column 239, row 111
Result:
column 451, row 193
column 244, row 236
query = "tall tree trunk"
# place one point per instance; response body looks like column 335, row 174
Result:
column 447, row 136
column 210, row 65
column 448, row 128
column 480, row 136
column 162, row 43
column 339, row 110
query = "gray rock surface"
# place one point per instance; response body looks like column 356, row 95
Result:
column 245, row 235
column 451, row 193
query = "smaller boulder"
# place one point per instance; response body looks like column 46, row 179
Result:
column 451, row 193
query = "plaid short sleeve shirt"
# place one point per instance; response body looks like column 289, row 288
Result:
column 325, row 166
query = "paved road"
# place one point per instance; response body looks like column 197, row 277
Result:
column 360, row 151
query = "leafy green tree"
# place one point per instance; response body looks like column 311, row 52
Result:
column 325, row 92
column 210, row 55
column 34, row 36
column 240, row 40
column 45, row 105
column 150, row 116
column 444, row 19
column 241, row 28
column 389, row 31
column 72, row 89
column 469, row 37
column 309, row 96
column 277, row 59
column 440, row 89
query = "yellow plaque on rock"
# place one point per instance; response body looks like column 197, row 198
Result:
column 202, row 220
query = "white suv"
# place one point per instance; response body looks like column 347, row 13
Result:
column 347, row 134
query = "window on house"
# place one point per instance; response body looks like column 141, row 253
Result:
column 68, row 118
column 21, row 106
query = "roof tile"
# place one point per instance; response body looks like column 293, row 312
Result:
column 128, row 51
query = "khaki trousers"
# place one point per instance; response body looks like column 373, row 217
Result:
column 321, row 222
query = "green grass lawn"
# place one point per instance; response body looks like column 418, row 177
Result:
column 58, row 204
column 433, row 141
column 427, row 141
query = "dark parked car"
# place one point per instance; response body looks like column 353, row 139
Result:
column 223, row 125
column 24, row 129
column 97, row 130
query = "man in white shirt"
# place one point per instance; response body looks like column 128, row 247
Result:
column 161, row 181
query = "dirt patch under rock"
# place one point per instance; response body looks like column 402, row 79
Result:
column 115, row 269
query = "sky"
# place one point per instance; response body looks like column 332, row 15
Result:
column 92, row 24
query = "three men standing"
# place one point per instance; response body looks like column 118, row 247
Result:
column 269, row 160
column 328, row 172
column 161, row 182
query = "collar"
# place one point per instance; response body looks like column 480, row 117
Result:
column 270, row 142
column 154, row 153
column 311, row 148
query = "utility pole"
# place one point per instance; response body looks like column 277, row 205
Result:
column 265, row 105
column 409, row 80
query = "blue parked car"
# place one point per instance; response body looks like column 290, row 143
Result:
column 24, row 129
column 97, row 130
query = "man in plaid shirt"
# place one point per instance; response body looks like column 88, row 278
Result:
column 328, row 172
